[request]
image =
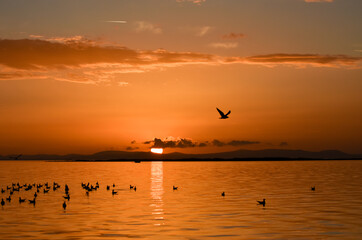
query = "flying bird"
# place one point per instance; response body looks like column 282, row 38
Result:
column 222, row 115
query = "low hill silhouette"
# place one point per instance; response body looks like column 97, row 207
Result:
column 242, row 154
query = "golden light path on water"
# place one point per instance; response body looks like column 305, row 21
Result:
column 157, row 192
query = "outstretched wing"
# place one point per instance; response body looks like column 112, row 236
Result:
column 220, row 112
column 228, row 113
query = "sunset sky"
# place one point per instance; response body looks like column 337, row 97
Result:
column 88, row 75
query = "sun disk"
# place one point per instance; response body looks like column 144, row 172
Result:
column 157, row 150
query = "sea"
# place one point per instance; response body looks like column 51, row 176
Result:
column 195, row 210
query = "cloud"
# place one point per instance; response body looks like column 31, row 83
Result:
column 131, row 148
column 178, row 143
column 120, row 21
column 233, row 36
column 301, row 60
column 224, row 45
column 310, row 1
column 189, row 143
column 80, row 60
column 192, row 1
column 233, row 143
column 203, row 31
column 171, row 142
column 143, row 26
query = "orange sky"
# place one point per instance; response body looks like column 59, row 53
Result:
column 118, row 75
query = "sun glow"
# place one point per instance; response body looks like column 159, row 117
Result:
column 157, row 150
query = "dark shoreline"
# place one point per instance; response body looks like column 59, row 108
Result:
column 206, row 160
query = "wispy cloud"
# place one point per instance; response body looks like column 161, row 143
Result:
column 142, row 26
column 120, row 21
column 224, row 45
column 83, row 61
column 310, row 1
column 301, row 60
column 192, row 1
column 234, row 143
column 203, row 31
column 233, row 36
column 171, row 142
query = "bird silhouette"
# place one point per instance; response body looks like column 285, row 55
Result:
column 114, row 192
column 2, row 202
column 222, row 115
column 312, row 188
column 32, row 201
column 8, row 199
column 21, row 200
column 64, row 205
column 223, row 194
column 262, row 202
column 174, row 188
column 67, row 197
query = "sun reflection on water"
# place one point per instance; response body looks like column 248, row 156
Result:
column 157, row 191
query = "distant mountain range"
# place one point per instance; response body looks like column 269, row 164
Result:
column 242, row 154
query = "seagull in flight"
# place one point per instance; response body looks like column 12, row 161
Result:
column 222, row 115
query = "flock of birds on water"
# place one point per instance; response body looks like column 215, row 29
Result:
column 45, row 188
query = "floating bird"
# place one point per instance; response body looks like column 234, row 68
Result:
column 114, row 192
column 8, row 199
column 114, row 185
column 131, row 187
column 262, row 202
column 312, row 188
column 64, row 205
column 2, row 190
column 2, row 202
column 35, row 195
column 46, row 191
column 223, row 194
column 108, row 187
column 21, row 200
column 135, row 188
column 222, row 115
column 32, row 201
column 67, row 197
column 174, row 188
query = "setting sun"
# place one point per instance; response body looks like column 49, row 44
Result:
column 157, row 150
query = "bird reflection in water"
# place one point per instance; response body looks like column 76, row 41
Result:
column 157, row 192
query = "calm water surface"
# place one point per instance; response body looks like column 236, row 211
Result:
column 196, row 210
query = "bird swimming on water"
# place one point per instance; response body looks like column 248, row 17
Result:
column 222, row 115
column 262, row 202
column 223, row 194
column 312, row 188
column 2, row 202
